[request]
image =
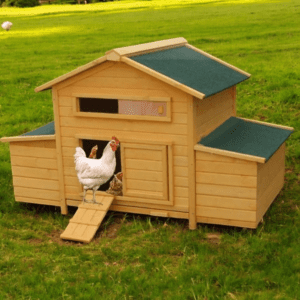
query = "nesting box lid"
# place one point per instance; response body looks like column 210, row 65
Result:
column 247, row 137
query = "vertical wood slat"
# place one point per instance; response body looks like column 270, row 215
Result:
column 63, row 204
column 191, row 164
column 165, row 172
column 170, row 180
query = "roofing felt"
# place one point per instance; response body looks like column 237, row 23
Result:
column 47, row 129
column 246, row 137
column 193, row 69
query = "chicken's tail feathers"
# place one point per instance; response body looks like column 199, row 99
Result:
column 79, row 153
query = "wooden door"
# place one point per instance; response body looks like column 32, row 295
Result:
column 147, row 173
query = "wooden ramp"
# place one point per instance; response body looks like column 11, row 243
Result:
column 87, row 219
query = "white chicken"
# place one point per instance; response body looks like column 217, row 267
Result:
column 92, row 173
column 6, row 25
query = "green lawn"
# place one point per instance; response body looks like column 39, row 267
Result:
column 138, row 257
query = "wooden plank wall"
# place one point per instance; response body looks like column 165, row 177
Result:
column 226, row 190
column 121, row 79
column 213, row 111
column 270, row 180
column 34, row 169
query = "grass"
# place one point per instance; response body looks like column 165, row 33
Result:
column 138, row 257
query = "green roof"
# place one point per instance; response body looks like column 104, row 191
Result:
column 246, row 137
column 47, row 129
column 193, row 69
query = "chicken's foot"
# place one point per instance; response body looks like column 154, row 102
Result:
column 84, row 200
column 94, row 199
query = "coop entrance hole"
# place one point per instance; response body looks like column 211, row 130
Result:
column 87, row 146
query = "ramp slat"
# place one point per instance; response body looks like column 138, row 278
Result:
column 87, row 219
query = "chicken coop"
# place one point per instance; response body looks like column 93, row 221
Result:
column 183, row 151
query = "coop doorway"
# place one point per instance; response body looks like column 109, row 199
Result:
column 87, row 146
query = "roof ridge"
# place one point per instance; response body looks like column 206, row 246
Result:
column 117, row 53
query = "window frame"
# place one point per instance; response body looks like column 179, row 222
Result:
column 78, row 113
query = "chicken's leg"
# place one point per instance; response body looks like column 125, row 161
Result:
column 94, row 197
column 84, row 194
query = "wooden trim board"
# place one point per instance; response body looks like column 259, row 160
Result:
column 59, row 79
column 145, row 48
column 60, row 166
column 28, row 138
column 230, row 153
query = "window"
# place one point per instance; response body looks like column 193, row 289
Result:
column 154, row 108
column 109, row 106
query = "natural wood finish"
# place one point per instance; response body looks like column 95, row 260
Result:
column 122, row 97
column 205, row 156
column 140, row 137
column 233, row 91
column 170, row 182
column 18, row 150
column 60, row 166
column 24, row 161
column 37, row 201
column 37, row 194
column 163, row 78
column 227, row 222
column 36, row 144
column 149, row 158
column 165, row 173
column 64, row 77
column 228, row 214
column 139, row 142
column 268, row 124
column 202, row 148
column 212, row 112
column 157, row 213
column 225, row 190
column 227, row 179
column 71, row 91
column 226, row 202
column 145, row 48
column 81, row 76
column 147, row 211
column 191, row 164
column 87, row 219
column 267, row 172
column 27, row 138
column 34, row 172
column 181, row 161
column 181, row 205
column 266, row 199
column 125, row 125
column 227, row 168
column 218, row 60
column 36, row 183
column 270, row 181
column 181, row 181
column 180, row 171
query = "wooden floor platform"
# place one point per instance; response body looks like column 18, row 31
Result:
column 87, row 219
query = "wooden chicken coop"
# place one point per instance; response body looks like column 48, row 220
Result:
column 183, row 152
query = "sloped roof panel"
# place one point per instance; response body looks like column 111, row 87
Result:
column 47, row 129
column 246, row 137
column 192, row 69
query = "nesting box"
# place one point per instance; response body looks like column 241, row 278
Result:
column 184, row 153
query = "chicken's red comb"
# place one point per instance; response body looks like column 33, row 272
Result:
column 116, row 140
